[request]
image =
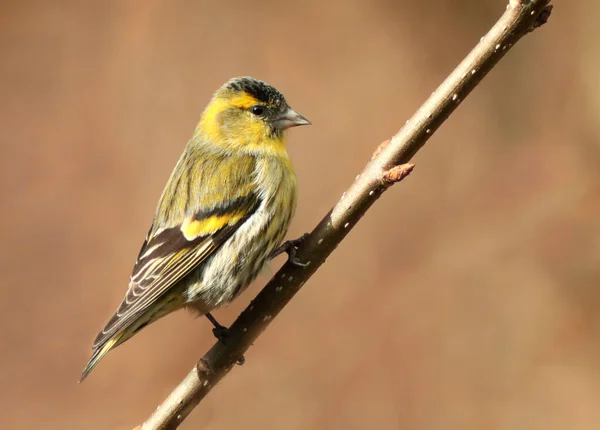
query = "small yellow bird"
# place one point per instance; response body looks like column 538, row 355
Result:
column 224, row 211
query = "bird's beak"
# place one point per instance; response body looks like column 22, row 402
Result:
column 290, row 118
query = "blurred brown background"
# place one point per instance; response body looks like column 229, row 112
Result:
column 467, row 298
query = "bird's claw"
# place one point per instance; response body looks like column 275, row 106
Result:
column 290, row 247
column 222, row 334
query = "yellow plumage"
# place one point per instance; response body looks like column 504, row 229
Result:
column 224, row 210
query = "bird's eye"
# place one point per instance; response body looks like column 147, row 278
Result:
column 258, row 110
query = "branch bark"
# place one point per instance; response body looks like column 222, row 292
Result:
column 387, row 167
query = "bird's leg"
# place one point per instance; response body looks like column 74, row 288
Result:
column 222, row 333
column 290, row 247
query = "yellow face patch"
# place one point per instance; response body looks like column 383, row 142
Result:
column 209, row 122
column 251, row 134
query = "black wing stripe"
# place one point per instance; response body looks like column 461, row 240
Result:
column 235, row 205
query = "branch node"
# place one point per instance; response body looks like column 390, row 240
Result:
column 396, row 174
column 542, row 18
column 203, row 368
column 380, row 148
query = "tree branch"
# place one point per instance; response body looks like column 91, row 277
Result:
column 386, row 168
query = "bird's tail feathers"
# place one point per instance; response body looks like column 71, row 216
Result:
column 99, row 353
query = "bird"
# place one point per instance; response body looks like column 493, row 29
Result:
column 223, row 213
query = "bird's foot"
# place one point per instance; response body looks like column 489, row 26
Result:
column 222, row 334
column 290, row 247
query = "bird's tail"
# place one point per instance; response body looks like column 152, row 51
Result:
column 99, row 353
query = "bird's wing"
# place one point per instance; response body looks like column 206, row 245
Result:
column 170, row 253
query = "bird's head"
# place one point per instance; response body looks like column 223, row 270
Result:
column 248, row 114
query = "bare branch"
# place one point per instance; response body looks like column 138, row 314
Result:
column 387, row 167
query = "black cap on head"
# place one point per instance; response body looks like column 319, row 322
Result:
column 260, row 90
